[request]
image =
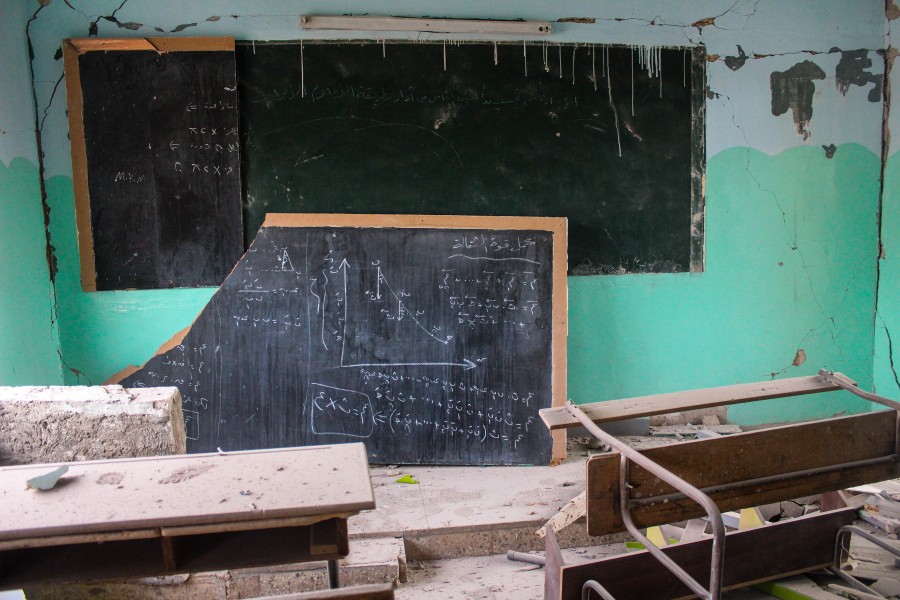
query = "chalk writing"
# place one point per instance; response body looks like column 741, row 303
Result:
column 352, row 338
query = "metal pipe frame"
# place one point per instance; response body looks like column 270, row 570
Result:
column 842, row 551
column 842, row 381
column 628, row 455
column 763, row 480
column 592, row 586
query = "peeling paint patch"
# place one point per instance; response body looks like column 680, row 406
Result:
column 736, row 62
column 794, row 89
column 701, row 23
column 585, row 20
column 852, row 70
column 891, row 11
column 830, row 149
column 183, row 26
column 130, row 25
column 213, row 18
column 799, row 358
column 712, row 57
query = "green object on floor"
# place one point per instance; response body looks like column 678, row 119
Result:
column 406, row 479
column 47, row 481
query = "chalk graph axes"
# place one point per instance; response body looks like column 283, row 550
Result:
column 465, row 365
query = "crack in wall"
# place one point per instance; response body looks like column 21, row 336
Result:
column 50, row 251
column 889, row 55
column 93, row 28
column 828, row 321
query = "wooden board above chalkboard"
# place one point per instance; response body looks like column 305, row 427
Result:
column 156, row 160
column 432, row 339
column 611, row 137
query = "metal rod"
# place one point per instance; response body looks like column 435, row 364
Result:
column 591, row 585
column 863, row 590
column 526, row 558
column 713, row 489
column 842, row 550
column 334, row 580
column 844, row 382
column 715, row 517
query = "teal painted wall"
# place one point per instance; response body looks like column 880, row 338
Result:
column 789, row 267
column 886, row 378
column 887, row 320
column 791, row 235
column 28, row 335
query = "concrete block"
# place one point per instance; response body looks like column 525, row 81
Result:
column 62, row 424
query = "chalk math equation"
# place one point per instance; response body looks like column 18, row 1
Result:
column 430, row 346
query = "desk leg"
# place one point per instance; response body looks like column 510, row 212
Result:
column 334, row 580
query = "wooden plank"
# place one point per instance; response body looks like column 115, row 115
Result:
column 553, row 566
column 159, row 44
column 742, row 457
column 199, row 489
column 378, row 591
column 752, row 556
column 661, row 404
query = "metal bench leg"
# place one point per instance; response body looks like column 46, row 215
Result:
column 334, row 580
column 629, row 454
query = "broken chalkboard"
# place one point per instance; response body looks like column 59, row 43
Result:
column 156, row 160
column 432, row 339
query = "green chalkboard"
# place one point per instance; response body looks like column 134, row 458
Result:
column 610, row 137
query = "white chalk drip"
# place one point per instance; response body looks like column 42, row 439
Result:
column 496, row 61
column 445, row 56
column 659, row 68
column 546, row 57
column 603, row 62
column 632, row 81
column 574, row 48
column 684, row 69
column 560, row 60
column 383, row 49
column 615, row 112
column 302, row 73
column 253, row 43
column 594, row 65
column 606, row 59
column 525, row 56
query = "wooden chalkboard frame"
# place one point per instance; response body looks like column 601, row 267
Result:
column 556, row 226
column 72, row 49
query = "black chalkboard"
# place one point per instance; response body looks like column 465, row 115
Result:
column 160, row 143
column 431, row 345
column 610, row 137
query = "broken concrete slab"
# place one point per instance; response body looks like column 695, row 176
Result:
column 73, row 423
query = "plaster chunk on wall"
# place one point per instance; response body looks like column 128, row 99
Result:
column 794, row 89
column 61, row 424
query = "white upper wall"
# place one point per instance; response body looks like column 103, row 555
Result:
column 775, row 35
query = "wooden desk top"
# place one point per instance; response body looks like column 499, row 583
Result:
column 239, row 489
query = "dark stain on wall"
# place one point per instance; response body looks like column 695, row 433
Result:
column 830, row 149
column 853, row 70
column 736, row 62
column 794, row 89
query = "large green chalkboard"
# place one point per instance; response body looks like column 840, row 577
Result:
column 582, row 132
